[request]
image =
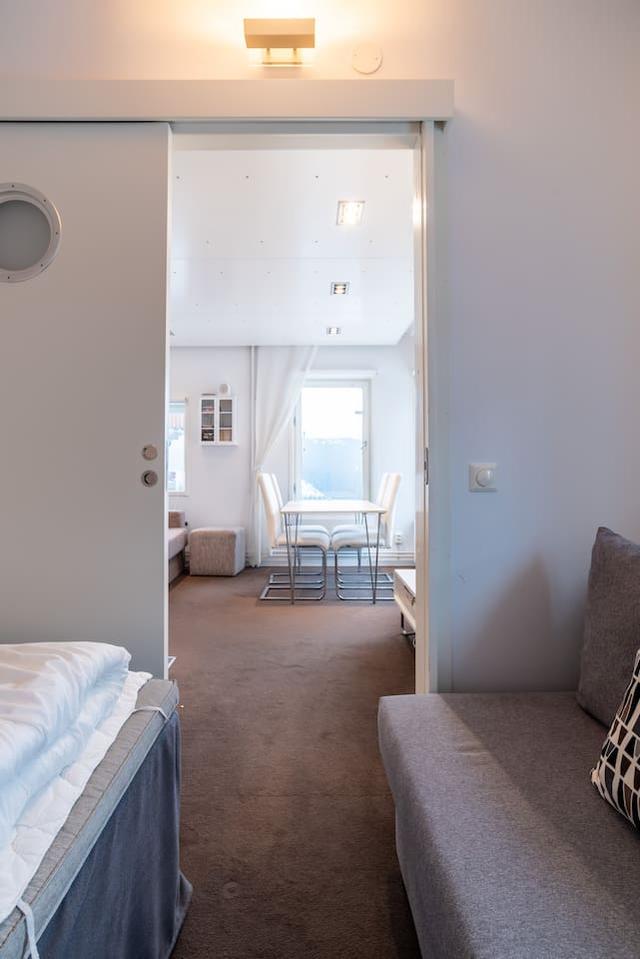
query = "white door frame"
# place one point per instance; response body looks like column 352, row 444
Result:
column 276, row 103
column 266, row 98
column 433, row 526
column 426, row 667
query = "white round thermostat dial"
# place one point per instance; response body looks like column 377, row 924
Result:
column 224, row 389
column 484, row 477
column 367, row 58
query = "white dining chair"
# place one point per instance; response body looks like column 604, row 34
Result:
column 311, row 578
column 354, row 538
column 276, row 485
column 354, row 528
column 306, row 539
column 307, row 576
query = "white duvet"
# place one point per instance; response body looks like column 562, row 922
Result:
column 61, row 707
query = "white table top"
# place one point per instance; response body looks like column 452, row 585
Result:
column 323, row 506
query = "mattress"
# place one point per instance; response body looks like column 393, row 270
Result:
column 84, row 825
column 61, row 707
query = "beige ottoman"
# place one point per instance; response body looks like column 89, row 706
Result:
column 216, row 551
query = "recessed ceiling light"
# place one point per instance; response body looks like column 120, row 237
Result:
column 339, row 288
column 333, row 331
column 350, row 212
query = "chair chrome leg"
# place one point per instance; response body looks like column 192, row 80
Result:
column 363, row 597
column 384, row 581
column 359, row 575
column 306, row 577
column 324, row 573
column 356, row 577
column 361, row 582
column 321, row 586
column 345, row 585
column 364, row 587
column 282, row 592
column 314, row 586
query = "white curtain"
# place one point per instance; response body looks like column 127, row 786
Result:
column 277, row 376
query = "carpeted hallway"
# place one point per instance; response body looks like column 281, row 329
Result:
column 287, row 821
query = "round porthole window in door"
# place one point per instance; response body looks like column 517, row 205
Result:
column 30, row 230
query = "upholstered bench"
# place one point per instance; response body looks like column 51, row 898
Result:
column 216, row 551
column 506, row 849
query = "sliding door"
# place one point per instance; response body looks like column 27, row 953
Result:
column 83, row 274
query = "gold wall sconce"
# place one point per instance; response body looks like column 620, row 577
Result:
column 282, row 40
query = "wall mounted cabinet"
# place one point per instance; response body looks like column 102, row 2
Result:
column 217, row 420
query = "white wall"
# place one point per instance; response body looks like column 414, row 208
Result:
column 219, row 479
column 539, row 262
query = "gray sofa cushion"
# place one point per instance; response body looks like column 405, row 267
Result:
column 506, row 849
column 612, row 625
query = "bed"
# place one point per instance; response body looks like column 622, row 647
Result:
column 110, row 882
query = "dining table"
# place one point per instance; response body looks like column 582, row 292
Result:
column 294, row 510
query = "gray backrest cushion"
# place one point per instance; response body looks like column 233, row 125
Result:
column 612, row 625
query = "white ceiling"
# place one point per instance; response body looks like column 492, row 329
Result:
column 255, row 246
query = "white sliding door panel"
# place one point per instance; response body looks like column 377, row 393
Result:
column 82, row 386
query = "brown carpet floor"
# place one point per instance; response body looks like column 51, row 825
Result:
column 287, row 820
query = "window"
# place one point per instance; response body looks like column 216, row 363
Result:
column 332, row 441
column 177, row 447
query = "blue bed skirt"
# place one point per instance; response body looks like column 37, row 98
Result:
column 129, row 899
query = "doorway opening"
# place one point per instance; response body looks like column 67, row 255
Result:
column 297, row 426
column 302, row 237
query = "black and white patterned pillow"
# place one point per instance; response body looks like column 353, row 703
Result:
column 617, row 773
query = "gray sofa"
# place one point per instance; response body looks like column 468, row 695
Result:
column 506, row 849
column 177, row 543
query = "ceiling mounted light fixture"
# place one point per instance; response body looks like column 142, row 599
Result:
column 333, row 331
column 350, row 212
column 339, row 288
column 281, row 39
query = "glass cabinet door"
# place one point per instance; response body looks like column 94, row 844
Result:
column 225, row 424
column 207, row 419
